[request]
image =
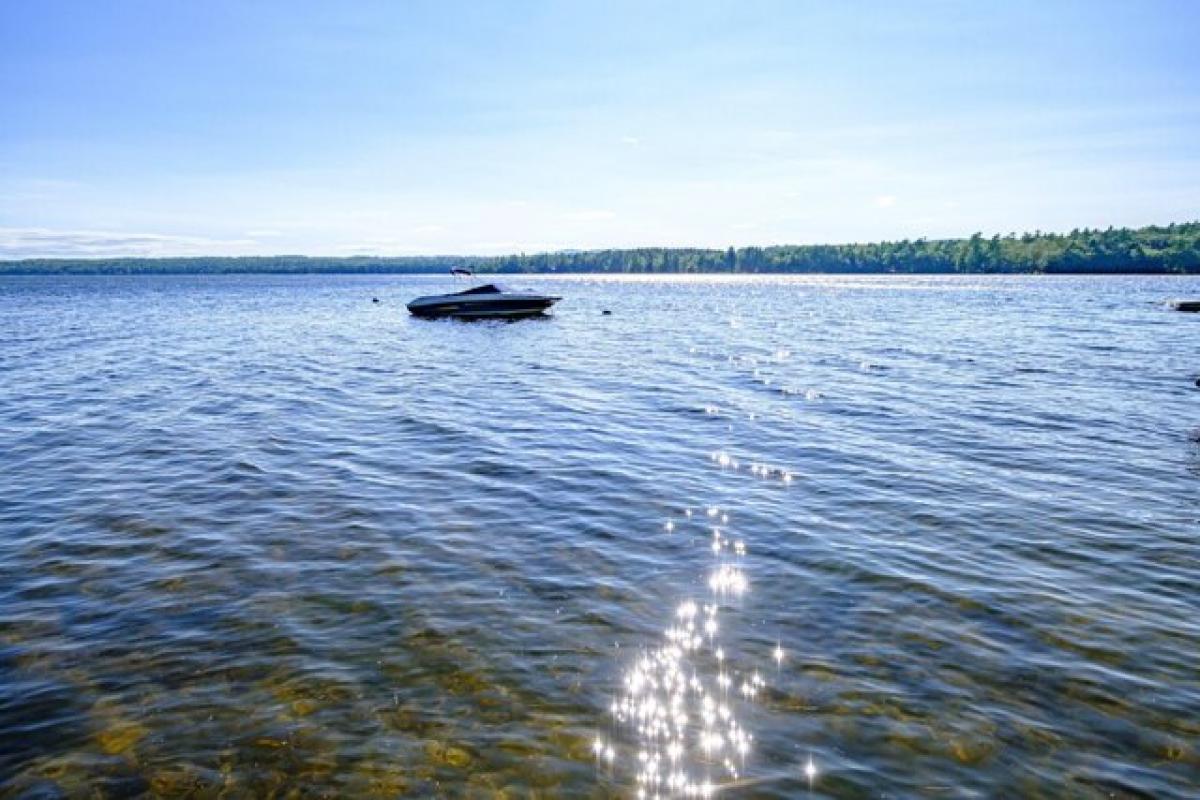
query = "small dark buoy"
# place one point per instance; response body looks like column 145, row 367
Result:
column 374, row 299
column 606, row 312
column 1198, row 383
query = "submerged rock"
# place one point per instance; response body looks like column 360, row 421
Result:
column 464, row 681
column 971, row 751
column 379, row 779
column 176, row 781
column 303, row 707
column 443, row 754
column 120, row 737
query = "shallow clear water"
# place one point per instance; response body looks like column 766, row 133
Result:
column 259, row 534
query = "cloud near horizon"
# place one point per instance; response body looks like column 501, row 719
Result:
column 21, row 243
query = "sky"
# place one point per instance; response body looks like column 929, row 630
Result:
column 411, row 128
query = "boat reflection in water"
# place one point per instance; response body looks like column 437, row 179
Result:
column 488, row 301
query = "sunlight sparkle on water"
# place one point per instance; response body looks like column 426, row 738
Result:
column 726, row 460
column 679, row 715
column 678, row 718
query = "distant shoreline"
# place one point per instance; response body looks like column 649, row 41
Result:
column 6, row 272
column 1153, row 250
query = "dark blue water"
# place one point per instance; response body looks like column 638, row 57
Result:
column 261, row 536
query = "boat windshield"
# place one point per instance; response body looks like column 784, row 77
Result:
column 487, row 288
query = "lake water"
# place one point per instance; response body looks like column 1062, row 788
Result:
column 260, row 536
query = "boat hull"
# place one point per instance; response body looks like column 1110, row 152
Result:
column 459, row 307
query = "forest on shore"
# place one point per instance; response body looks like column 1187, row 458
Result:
column 1156, row 249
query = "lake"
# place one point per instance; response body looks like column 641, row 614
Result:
column 747, row 536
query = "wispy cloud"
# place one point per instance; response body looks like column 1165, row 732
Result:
column 589, row 215
column 389, row 248
column 49, row 243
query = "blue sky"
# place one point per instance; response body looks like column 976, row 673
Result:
column 164, row 128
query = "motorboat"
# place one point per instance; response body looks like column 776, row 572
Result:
column 489, row 301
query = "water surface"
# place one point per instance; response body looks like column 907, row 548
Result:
column 261, row 535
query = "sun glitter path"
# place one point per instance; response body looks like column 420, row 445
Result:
column 677, row 716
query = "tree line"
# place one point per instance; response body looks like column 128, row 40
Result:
column 1156, row 249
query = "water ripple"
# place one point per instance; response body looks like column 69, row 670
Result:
column 259, row 534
